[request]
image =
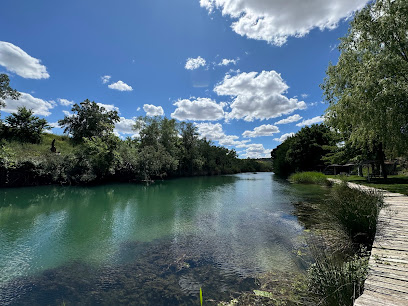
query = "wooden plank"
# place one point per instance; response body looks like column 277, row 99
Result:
column 387, row 282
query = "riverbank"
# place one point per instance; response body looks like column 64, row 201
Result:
column 110, row 159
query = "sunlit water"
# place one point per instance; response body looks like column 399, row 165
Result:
column 157, row 244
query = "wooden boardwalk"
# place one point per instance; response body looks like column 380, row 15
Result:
column 387, row 281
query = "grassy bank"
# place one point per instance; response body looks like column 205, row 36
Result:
column 309, row 178
column 110, row 159
column 394, row 183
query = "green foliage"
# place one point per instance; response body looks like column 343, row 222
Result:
column 97, row 158
column 7, row 155
column 336, row 282
column 367, row 89
column 89, row 120
column 309, row 178
column 163, row 149
column 356, row 210
column 6, row 92
column 24, row 127
column 303, row 151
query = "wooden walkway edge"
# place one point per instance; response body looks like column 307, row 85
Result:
column 387, row 281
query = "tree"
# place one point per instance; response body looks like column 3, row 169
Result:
column 89, row 120
column 304, row 151
column 24, row 127
column 367, row 89
column 6, row 92
column 158, row 146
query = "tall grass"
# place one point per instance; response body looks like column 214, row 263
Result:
column 309, row 178
column 356, row 210
column 335, row 281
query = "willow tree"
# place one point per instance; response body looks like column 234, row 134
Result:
column 367, row 89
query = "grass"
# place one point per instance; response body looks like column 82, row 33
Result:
column 337, row 282
column 309, row 178
column 24, row 150
column 394, row 183
column 356, row 211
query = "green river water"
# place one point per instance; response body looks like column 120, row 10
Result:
column 154, row 245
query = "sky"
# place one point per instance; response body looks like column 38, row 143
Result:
column 246, row 72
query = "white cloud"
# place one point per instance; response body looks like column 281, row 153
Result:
column 121, row 86
column 311, row 121
column 54, row 124
column 263, row 130
column 226, row 62
column 257, row 150
column 152, row 110
column 257, row 96
column 125, row 126
column 215, row 132
column 108, row 107
column 290, row 119
column 19, row 62
column 67, row 113
column 198, row 109
column 39, row 106
column 275, row 21
column 65, row 102
column 195, row 63
column 105, row 79
column 304, row 96
column 284, row 137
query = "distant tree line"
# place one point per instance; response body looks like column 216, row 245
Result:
column 93, row 153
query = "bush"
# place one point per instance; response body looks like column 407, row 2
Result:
column 357, row 211
column 309, row 178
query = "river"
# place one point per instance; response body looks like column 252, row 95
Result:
column 155, row 245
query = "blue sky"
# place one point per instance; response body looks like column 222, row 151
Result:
column 247, row 72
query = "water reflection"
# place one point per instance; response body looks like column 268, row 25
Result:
column 180, row 233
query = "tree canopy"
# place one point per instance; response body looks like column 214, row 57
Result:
column 367, row 89
column 6, row 92
column 304, row 151
column 89, row 120
column 23, row 126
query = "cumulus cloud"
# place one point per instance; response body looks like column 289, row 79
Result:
column 284, row 137
column 121, row 86
column 311, row 121
column 54, row 124
column 290, row 119
column 226, row 62
column 105, row 79
column 65, row 102
column 152, row 110
column 263, row 130
column 18, row 61
column 39, row 106
column 198, row 109
column 125, row 126
column 257, row 96
column 195, row 63
column 257, row 150
column 108, row 107
column 215, row 132
column 275, row 21
column 67, row 113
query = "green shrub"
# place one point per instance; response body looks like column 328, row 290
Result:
column 356, row 210
column 309, row 178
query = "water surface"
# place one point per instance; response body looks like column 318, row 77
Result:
column 157, row 244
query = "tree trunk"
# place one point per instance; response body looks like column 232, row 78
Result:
column 381, row 156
